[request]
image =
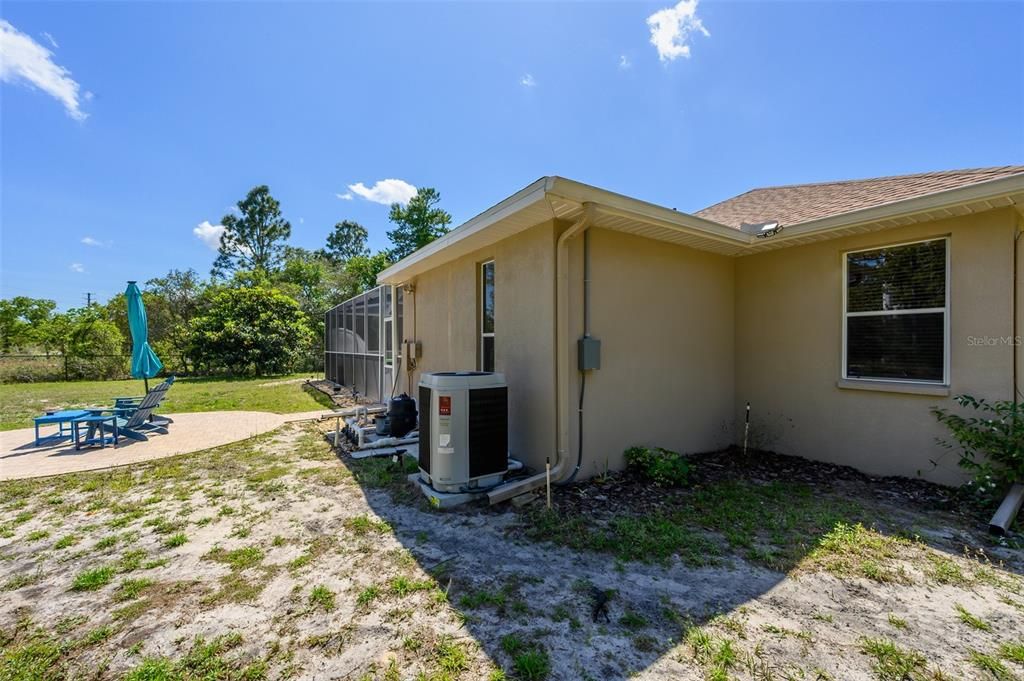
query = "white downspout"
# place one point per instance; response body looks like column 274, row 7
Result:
column 562, row 360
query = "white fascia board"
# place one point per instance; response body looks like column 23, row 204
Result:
column 610, row 202
column 619, row 204
column 920, row 204
column 523, row 198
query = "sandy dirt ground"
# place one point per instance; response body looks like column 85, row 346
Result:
column 273, row 559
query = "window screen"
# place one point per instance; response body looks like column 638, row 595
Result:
column 897, row 313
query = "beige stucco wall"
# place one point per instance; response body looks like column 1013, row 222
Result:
column 443, row 314
column 664, row 316
column 788, row 349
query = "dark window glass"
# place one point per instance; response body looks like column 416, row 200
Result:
column 898, row 278
column 387, row 341
column 904, row 346
column 387, row 301
column 487, row 359
column 487, row 298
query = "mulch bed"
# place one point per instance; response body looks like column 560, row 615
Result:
column 628, row 490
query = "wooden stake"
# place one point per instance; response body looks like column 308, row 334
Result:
column 547, row 475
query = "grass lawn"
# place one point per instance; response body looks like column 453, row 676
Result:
column 19, row 402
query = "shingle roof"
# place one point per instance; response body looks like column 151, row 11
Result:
column 796, row 203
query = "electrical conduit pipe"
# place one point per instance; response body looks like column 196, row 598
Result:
column 562, row 359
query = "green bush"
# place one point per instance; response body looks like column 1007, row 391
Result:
column 249, row 331
column 661, row 466
column 991, row 445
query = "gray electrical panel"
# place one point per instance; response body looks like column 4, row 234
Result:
column 588, row 351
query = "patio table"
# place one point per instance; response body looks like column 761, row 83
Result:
column 95, row 425
column 58, row 418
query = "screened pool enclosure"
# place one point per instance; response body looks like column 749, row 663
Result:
column 362, row 342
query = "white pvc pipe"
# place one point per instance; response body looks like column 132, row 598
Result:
column 562, row 358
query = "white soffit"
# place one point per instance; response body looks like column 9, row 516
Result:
column 562, row 199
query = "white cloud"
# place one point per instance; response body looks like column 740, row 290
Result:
column 624, row 63
column 671, row 29
column 50, row 39
column 528, row 81
column 384, row 191
column 209, row 234
column 77, row 267
column 24, row 60
column 347, row 196
column 89, row 241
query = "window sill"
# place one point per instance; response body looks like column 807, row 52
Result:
column 893, row 387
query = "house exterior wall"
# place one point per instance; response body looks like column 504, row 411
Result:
column 443, row 314
column 789, row 325
column 664, row 316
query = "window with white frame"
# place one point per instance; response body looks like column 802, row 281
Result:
column 896, row 313
column 487, row 316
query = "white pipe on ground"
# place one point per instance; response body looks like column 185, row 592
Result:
column 1003, row 519
column 562, row 358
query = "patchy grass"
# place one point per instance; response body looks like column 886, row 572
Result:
column 298, row 555
column 205, row 660
column 363, row 525
column 891, row 662
column 768, row 524
column 856, row 551
column 21, row 401
column 970, row 620
column 322, row 598
column 1014, row 652
column 93, row 579
column 897, row 622
column 238, row 559
column 175, row 540
column 991, row 665
column 130, row 589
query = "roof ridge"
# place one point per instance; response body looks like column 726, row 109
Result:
column 987, row 169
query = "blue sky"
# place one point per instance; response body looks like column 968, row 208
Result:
column 180, row 108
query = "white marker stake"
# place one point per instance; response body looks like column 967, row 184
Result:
column 547, row 473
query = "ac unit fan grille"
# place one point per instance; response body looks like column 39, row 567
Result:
column 488, row 431
column 425, row 414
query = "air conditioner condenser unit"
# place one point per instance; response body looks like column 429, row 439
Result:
column 463, row 430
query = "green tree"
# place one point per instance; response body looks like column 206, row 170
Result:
column 362, row 271
column 254, row 330
column 417, row 223
column 175, row 298
column 21, row 320
column 92, row 344
column 346, row 241
column 253, row 239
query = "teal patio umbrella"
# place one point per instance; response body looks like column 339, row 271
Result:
column 145, row 363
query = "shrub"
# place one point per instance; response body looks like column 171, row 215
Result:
column 249, row 331
column 991, row 443
column 659, row 465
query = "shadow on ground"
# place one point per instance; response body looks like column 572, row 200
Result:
column 761, row 566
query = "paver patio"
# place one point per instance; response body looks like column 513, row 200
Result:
column 193, row 432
